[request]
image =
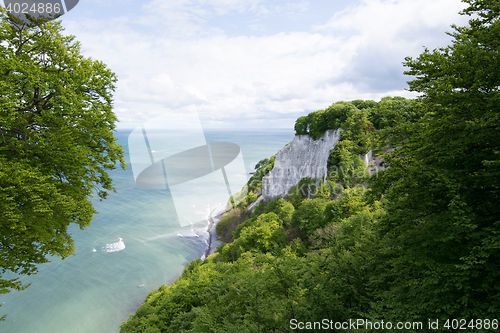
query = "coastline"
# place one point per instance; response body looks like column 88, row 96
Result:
column 213, row 239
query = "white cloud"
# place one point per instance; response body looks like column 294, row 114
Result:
column 378, row 35
column 173, row 58
column 191, row 9
column 376, row 16
column 289, row 8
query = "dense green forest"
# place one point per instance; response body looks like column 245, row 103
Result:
column 415, row 242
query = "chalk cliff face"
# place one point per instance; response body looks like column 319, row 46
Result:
column 303, row 157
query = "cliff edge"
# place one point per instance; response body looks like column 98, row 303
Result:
column 303, row 157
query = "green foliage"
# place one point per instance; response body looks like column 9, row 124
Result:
column 367, row 104
column 352, row 201
column 261, row 163
column 229, row 222
column 295, row 196
column 309, row 188
column 443, row 185
column 347, row 166
column 305, row 188
column 356, row 140
column 332, row 212
column 251, row 198
column 263, row 234
column 316, row 123
column 259, row 209
column 262, row 168
column 302, row 125
column 247, row 223
column 357, row 128
column 56, row 143
column 309, row 216
column 282, row 208
column 256, row 293
column 391, row 111
column 342, row 157
column 243, row 198
column 359, row 121
column 253, row 188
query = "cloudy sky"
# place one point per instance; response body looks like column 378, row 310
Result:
column 256, row 63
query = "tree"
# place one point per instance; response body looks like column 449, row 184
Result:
column 443, row 184
column 309, row 216
column 302, row 125
column 282, row 208
column 56, row 142
column 391, row 111
column 263, row 234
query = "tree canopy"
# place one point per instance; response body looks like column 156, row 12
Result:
column 56, row 142
column 443, row 184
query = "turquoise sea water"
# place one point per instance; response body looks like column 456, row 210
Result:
column 132, row 247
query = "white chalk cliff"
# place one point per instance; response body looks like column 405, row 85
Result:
column 303, row 157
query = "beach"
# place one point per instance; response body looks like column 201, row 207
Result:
column 213, row 239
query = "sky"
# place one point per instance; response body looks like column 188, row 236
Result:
column 256, row 63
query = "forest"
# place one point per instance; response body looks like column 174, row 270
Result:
column 416, row 242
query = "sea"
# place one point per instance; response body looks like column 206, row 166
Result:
column 134, row 244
